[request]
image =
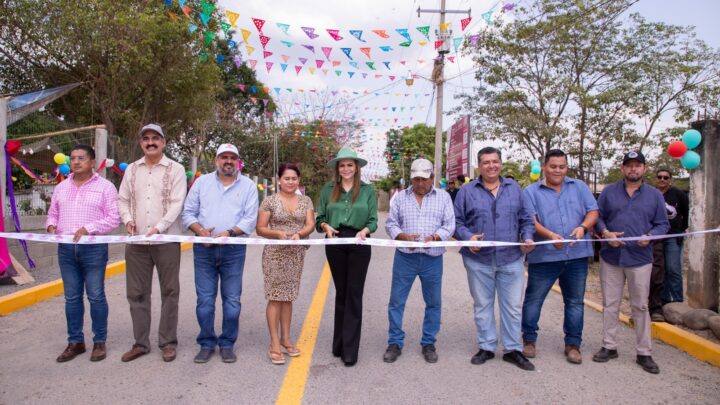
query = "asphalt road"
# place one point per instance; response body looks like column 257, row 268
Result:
column 33, row 337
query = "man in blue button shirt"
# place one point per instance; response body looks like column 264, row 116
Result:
column 220, row 204
column 492, row 208
column 563, row 208
column 629, row 208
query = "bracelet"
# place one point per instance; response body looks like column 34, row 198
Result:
column 585, row 228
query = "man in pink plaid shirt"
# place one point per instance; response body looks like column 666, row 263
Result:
column 84, row 204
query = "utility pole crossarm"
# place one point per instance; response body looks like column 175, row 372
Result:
column 429, row 10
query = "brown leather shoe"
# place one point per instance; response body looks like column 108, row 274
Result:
column 72, row 350
column 98, row 352
column 572, row 354
column 529, row 349
column 169, row 353
column 136, row 351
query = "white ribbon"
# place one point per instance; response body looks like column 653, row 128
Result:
column 95, row 239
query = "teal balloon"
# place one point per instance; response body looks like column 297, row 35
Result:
column 535, row 163
column 535, row 170
column 692, row 138
column 67, row 160
column 64, row 169
column 690, row 160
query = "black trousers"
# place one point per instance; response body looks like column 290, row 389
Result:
column 349, row 266
column 657, row 278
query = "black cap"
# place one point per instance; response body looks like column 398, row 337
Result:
column 632, row 155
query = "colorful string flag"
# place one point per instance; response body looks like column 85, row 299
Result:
column 238, row 61
column 357, row 34
column 309, row 48
column 205, row 18
column 283, row 66
column 371, row 65
column 232, row 17
column 487, row 16
column 267, row 54
column 302, row 60
column 207, row 7
column 464, row 23
column 182, row 3
column 241, row 87
column 264, row 40
column 186, row 10
column 336, row 63
column 252, row 63
column 438, row 44
column 245, row 34
column 287, row 43
column 354, row 64
column 366, row 51
column 311, row 69
column 192, row 28
column 474, row 39
column 451, row 59
column 326, row 50
column 298, row 69
column 203, row 56
column 283, row 27
column 387, row 65
column 209, row 37
column 268, row 66
column 231, row 44
column 405, row 44
column 319, row 63
column 425, row 30
column 225, row 27
column 310, row 32
column 347, row 51
column 258, row 24
column 444, row 26
column 508, row 7
column 350, row 74
column 386, row 48
column 381, row 33
column 457, row 42
column 404, row 32
column 220, row 58
column 335, row 34
column 249, row 49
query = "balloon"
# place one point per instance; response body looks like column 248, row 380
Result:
column 14, row 178
column 59, row 158
column 443, row 184
column 64, row 169
column 13, row 146
column 467, row 179
column 535, row 163
column 443, row 180
column 67, row 160
column 189, row 174
column 692, row 138
column 260, row 187
column 122, row 166
column 677, row 149
column 534, row 176
column 690, row 160
column 535, row 170
column 110, row 162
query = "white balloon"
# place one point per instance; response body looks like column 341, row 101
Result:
column 109, row 163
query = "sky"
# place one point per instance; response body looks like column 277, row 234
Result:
column 379, row 98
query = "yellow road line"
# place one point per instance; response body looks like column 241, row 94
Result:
column 293, row 386
column 33, row 295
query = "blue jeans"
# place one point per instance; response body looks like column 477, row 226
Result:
column 508, row 280
column 541, row 277
column 226, row 263
column 82, row 268
column 406, row 267
column 673, row 288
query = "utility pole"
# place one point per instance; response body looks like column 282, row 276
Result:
column 443, row 34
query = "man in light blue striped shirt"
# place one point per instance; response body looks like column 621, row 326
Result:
column 420, row 213
column 220, row 204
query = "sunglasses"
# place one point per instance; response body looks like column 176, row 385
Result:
column 663, row 177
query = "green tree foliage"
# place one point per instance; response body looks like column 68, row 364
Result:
column 581, row 75
column 405, row 145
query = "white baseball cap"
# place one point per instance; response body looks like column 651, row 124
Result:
column 227, row 147
column 421, row 168
column 152, row 127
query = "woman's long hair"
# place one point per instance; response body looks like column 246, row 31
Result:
column 337, row 188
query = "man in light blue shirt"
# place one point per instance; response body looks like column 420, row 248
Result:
column 420, row 213
column 563, row 208
column 220, row 204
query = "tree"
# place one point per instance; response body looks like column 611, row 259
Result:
column 578, row 75
column 136, row 64
column 407, row 144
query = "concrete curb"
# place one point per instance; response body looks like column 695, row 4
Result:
column 33, row 295
column 700, row 348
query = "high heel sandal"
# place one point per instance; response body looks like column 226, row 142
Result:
column 276, row 357
column 291, row 351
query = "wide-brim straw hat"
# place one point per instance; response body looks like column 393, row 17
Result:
column 345, row 154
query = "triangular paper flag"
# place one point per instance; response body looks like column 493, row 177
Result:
column 386, row 48
column 283, row 66
column 264, row 40
column 311, row 69
column 186, row 10
column 253, row 89
column 350, row 74
column 474, row 39
column 192, row 27
column 319, row 63
column 438, row 44
column 406, row 43
column 232, row 17
column 404, row 32
column 277, row 90
column 298, row 69
column 242, row 87
column 268, row 66
column 253, row 99
column 325, row 72
column 381, row 33
column 357, row 34
column 302, row 60
column 182, row 3
column 508, row 7
column 487, row 16
column 310, row 32
column 209, row 37
column 422, row 43
column 249, row 49
column 252, row 63
column 402, row 62
column 377, row 76
column 205, row 18
column 309, row 48
column 338, row 72
column 464, row 23
column 285, row 58
column 265, row 101
column 444, row 26
column 220, row 58
column 364, row 75
column 173, row 16
column 203, row 59
column 326, row 50
column 287, row 43
column 231, row 44
column 336, row 63
column 457, row 42
column 283, row 27
column 346, row 51
column 425, row 31
column 258, row 24
column 371, row 65
column 366, row 51
column 238, row 61
column 267, row 54
column 245, row 34
column 266, row 89
column 225, row 27
column 354, row 64
column 387, row 65
column 451, row 59
column 335, row 34
column 207, row 8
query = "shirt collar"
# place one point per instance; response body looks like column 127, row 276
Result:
column 164, row 161
column 409, row 191
column 566, row 180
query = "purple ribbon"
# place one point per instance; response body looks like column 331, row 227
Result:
column 13, row 208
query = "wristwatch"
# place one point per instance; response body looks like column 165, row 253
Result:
column 585, row 228
column 231, row 232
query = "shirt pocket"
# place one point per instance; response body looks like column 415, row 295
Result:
column 476, row 219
